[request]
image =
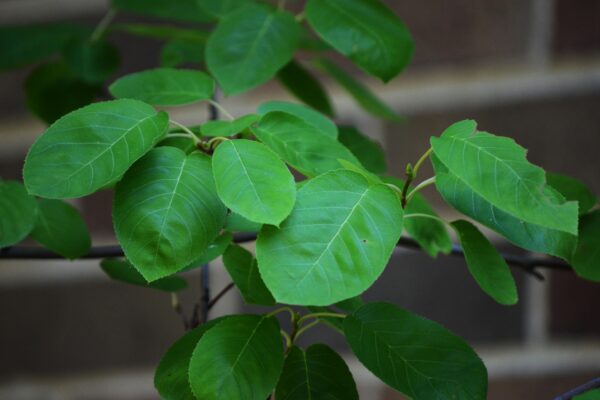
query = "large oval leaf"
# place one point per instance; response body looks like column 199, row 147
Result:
column 365, row 31
column 253, row 182
column 336, row 242
column 317, row 373
column 18, row 213
column 166, row 211
column 574, row 190
column 369, row 152
column 239, row 359
column 586, row 258
column 124, row 271
column 414, row 355
column 242, row 268
column 249, row 46
column 164, row 86
column 302, row 84
column 91, row 147
column 315, row 119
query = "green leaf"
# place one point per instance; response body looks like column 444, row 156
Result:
column 228, row 128
column 336, row 242
column 573, row 190
column 18, row 213
column 366, row 31
column 180, row 10
column 369, row 152
column 372, row 178
column 361, row 94
column 124, row 271
column 237, row 223
column 164, row 86
column 315, row 119
column 300, row 144
column 249, row 47
column 240, row 358
column 586, row 260
column 352, row 304
column 591, row 395
column 164, row 32
column 177, row 52
column 53, row 90
column 305, row 87
column 214, row 250
column 60, row 228
column 171, row 378
column 94, row 62
column 91, row 148
column 414, row 355
column 485, row 264
column 222, row 8
column 242, row 268
column 23, row 45
column 253, row 182
column 318, row 373
column 166, row 211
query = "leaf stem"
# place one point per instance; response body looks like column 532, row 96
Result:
column 288, row 339
column 321, row 315
column 300, row 17
column 188, row 133
column 411, row 174
column 425, row 183
column 421, row 161
column 436, row 218
column 283, row 309
column 214, row 142
column 103, row 25
column 306, row 327
column 221, row 109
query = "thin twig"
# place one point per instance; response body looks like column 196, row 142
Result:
column 222, row 293
column 103, row 25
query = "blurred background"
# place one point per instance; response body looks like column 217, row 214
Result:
column 528, row 69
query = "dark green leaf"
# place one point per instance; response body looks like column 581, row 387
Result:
column 316, row 120
column 591, row 395
column 61, row 229
column 305, row 87
column 180, row 10
column 352, row 304
column 573, row 190
column 237, row 223
column 178, row 52
column 240, row 358
column 336, row 242
column 166, row 211
column 586, row 260
column 91, row 148
column 413, row 355
column 18, row 213
column 369, row 153
column 485, row 264
column 249, row 47
column 228, row 128
column 124, row 271
column 242, row 268
column 222, row 8
column 318, row 373
column 165, row 86
column 366, row 31
column 164, row 32
column 93, row 62
column 214, row 250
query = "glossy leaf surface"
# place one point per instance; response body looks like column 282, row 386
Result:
column 242, row 268
column 18, row 213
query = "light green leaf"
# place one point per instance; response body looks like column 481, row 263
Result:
column 366, row 31
column 253, row 182
column 414, row 355
column 180, row 10
column 240, row 358
column 237, row 223
column 573, row 190
column 361, row 94
column 249, row 47
column 369, row 152
column 315, row 119
column 166, row 211
column 222, row 8
column 18, row 213
column 318, row 373
column 372, row 178
column 94, row 62
column 171, row 378
column 586, row 260
column 214, row 250
column 124, row 271
column 91, row 148
column 164, row 86
column 302, row 84
column 485, row 264
column 177, row 52
column 60, row 228
column 300, row 144
column 228, row 128
column 242, row 268
column 336, row 242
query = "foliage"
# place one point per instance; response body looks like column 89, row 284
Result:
column 327, row 216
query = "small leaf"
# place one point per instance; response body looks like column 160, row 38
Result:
column 369, row 152
column 94, row 62
column 180, row 10
column 18, row 213
column 485, row 264
column 60, row 228
column 214, row 250
column 228, row 128
column 586, row 260
column 249, row 47
column 222, row 8
column 124, row 271
column 413, row 355
column 366, row 31
column 315, row 119
column 90, row 148
column 361, row 94
column 573, row 190
column 166, row 211
column 237, row 223
column 336, row 242
column 242, row 268
column 240, row 358
column 253, row 182
column 318, row 373
column 305, row 87
column 178, row 52
column 300, row 144
column 164, row 86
